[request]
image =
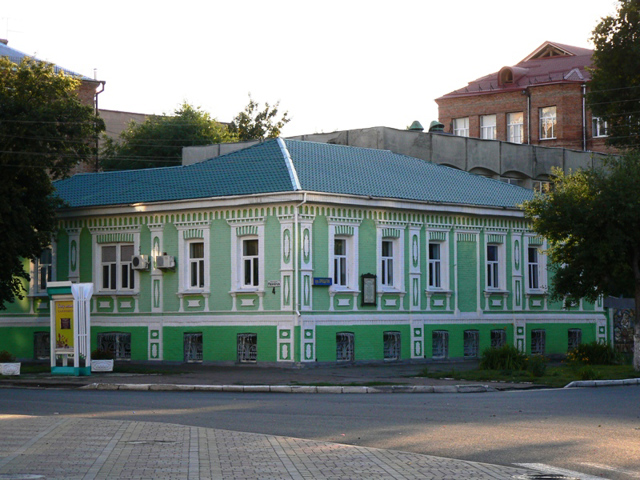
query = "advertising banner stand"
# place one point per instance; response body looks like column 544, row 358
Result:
column 70, row 327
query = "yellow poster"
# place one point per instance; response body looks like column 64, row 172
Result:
column 64, row 325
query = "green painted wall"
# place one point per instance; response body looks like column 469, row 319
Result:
column 456, row 337
column 85, row 257
column 62, row 255
column 467, row 277
column 220, row 267
column 139, row 339
column 557, row 335
column 368, row 341
column 219, row 344
column 19, row 340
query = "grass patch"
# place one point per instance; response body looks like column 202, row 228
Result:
column 554, row 376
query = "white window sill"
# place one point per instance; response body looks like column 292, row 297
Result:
column 341, row 289
column 114, row 293
column 495, row 291
column 535, row 291
column 247, row 291
column 432, row 291
column 194, row 292
column 550, row 138
column 38, row 295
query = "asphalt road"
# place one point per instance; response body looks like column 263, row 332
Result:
column 595, row 431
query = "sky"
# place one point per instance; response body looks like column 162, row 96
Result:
column 333, row 65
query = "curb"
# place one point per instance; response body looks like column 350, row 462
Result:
column 291, row 388
column 603, row 383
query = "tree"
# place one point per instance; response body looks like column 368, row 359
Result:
column 255, row 124
column 615, row 85
column 158, row 141
column 44, row 131
column 591, row 220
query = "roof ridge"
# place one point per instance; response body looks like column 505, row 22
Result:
column 291, row 168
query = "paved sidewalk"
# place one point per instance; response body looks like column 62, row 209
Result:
column 77, row 448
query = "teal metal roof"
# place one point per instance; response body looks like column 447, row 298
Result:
column 266, row 168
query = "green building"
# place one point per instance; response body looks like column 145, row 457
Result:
column 293, row 251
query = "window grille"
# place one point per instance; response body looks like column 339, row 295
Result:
column 193, row 347
column 440, row 343
column 345, row 347
column 538, row 342
column 391, row 345
column 575, row 338
column 41, row 345
column 498, row 338
column 116, row 343
column 247, row 347
column 471, row 343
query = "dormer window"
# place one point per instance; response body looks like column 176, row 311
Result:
column 505, row 76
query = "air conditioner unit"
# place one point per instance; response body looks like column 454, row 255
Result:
column 165, row 261
column 140, row 262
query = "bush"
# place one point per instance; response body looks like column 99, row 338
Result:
column 537, row 365
column 101, row 355
column 594, row 353
column 588, row 373
column 506, row 357
column 6, row 357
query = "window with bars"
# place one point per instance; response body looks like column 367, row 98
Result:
column 247, row 347
column 192, row 347
column 471, row 343
column 498, row 338
column 116, row 343
column 575, row 338
column 538, row 342
column 345, row 343
column 391, row 345
column 440, row 344
column 41, row 345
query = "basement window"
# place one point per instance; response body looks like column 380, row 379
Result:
column 575, row 338
column 391, row 345
column 192, row 347
column 247, row 347
column 41, row 345
column 440, row 344
column 498, row 338
column 345, row 351
column 116, row 343
column 538, row 342
column 471, row 343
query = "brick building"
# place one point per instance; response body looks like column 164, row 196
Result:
column 539, row 101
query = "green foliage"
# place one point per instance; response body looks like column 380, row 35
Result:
column 588, row 373
column 615, row 85
column 505, row 358
column 6, row 357
column 256, row 124
column 159, row 140
column 44, row 131
column 537, row 365
column 594, row 353
column 591, row 220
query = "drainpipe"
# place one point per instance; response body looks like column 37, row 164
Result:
column 528, row 94
column 296, row 253
column 584, row 117
column 98, row 92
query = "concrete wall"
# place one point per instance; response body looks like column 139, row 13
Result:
column 492, row 158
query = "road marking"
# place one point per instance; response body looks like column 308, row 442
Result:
column 631, row 473
column 558, row 471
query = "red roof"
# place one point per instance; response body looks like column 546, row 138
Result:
column 550, row 63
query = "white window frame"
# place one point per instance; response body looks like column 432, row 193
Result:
column 36, row 266
column 196, row 265
column 541, row 265
column 515, row 128
column 500, row 266
column 548, row 122
column 117, row 265
column 396, row 260
column 488, row 127
column 238, row 236
column 443, row 263
column 252, row 260
column 352, row 255
column 599, row 128
column 184, row 261
column 461, row 126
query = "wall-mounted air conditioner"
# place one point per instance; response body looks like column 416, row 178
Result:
column 165, row 261
column 140, row 262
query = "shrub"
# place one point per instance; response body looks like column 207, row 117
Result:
column 594, row 353
column 506, row 357
column 101, row 355
column 6, row 357
column 537, row 365
column 588, row 373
